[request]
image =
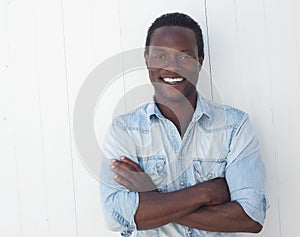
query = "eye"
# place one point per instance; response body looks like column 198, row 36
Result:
column 185, row 57
column 160, row 56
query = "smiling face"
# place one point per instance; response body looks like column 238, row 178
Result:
column 173, row 63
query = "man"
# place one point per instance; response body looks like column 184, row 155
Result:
column 181, row 165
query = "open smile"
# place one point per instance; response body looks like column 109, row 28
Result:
column 172, row 80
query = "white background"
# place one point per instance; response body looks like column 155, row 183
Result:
column 48, row 47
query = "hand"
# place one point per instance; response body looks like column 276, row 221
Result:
column 131, row 175
column 217, row 191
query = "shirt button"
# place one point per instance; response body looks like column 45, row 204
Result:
column 190, row 231
column 182, row 183
column 174, row 132
column 209, row 175
column 180, row 158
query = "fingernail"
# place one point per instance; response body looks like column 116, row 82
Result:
column 122, row 157
column 115, row 176
column 112, row 166
column 113, row 160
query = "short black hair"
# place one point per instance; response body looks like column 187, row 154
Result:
column 176, row 19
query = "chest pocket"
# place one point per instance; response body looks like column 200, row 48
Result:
column 205, row 169
column 155, row 167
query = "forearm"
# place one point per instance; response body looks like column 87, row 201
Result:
column 228, row 217
column 156, row 209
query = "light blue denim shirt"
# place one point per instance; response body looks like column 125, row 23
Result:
column 219, row 142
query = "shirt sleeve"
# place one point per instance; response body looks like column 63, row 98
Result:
column 245, row 172
column 119, row 205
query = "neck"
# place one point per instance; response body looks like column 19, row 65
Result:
column 179, row 112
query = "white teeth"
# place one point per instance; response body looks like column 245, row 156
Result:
column 172, row 80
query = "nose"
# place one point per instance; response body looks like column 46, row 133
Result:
column 172, row 63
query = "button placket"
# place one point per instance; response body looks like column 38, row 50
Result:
column 209, row 175
column 189, row 231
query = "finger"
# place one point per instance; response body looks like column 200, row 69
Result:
column 122, row 165
column 128, row 174
column 123, row 181
column 131, row 163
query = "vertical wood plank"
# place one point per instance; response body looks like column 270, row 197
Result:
column 106, row 36
column 285, row 86
column 223, row 51
column 91, row 35
column 105, row 23
column 78, row 55
column 255, row 86
column 9, row 202
column 27, row 119
column 296, row 21
column 55, row 118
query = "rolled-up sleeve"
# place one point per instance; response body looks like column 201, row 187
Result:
column 245, row 172
column 119, row 205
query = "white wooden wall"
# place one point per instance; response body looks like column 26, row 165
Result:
column 48, row 47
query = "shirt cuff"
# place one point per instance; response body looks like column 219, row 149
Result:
column 124, row 209
column 253, row 202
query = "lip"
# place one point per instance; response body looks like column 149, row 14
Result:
column 169, row 84
column 171, row 76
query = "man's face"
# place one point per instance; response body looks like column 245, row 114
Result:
column 173, row 62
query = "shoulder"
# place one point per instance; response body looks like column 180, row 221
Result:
column 137, row 118
column 225, row 115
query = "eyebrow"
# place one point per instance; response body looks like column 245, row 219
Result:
column 181, row 50
column 186, row 51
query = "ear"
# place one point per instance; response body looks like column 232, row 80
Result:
column 201, row 60
column 146, row 56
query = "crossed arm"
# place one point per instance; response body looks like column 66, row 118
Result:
column 205, row 206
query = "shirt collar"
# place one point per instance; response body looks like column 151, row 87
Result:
column 201, row 109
